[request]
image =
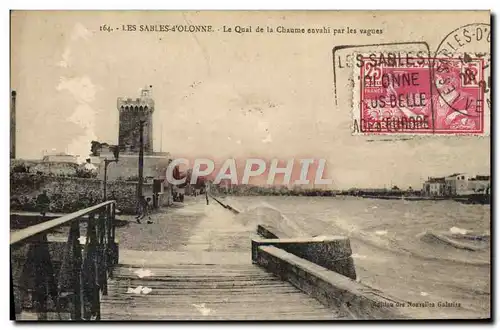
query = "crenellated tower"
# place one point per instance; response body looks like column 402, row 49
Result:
column 131, row 112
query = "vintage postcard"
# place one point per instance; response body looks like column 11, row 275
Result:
column 250, row 165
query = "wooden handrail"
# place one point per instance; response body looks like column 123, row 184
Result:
column 75, row 282
column 43, row 227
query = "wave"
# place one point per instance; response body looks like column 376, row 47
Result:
column 460, row 233
column 451, row 240
column 457, row 230
column 393, row 243
column 412, row 248
column 266, row 214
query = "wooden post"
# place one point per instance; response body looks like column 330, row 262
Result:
column 77, row 270
column 92, row 268
column 103, row 257
column 41, row 269
column 113, row 229
column 16, row 309
column 113, row 224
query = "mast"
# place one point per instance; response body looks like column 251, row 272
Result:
column 161, row 136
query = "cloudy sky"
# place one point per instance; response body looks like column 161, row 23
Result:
column 219, row 94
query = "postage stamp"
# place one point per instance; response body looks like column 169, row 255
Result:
column 419, row 95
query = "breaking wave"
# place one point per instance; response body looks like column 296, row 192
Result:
column 266, row 214
column 444, row 247
column 460, row 241
column 456, row 246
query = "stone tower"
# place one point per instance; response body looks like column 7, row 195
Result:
column 131, row 111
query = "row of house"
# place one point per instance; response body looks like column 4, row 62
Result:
column 457, row 184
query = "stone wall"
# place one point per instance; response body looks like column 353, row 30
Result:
column 128, row 167
column 355, row 300
column 332, row 252
column 45, row 167
column 69, row 194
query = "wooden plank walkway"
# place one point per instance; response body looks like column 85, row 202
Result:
column 209, row 275
column 207, row 292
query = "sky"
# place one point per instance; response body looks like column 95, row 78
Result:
column 220, row 95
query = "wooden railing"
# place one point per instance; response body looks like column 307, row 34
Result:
column 68, row 288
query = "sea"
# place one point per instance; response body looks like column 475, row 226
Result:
column 433, row 255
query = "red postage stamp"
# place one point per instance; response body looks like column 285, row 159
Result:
column 417, row 95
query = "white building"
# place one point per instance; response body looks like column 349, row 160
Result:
column 457, row 184
column 434, row 187
column 480, row 184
